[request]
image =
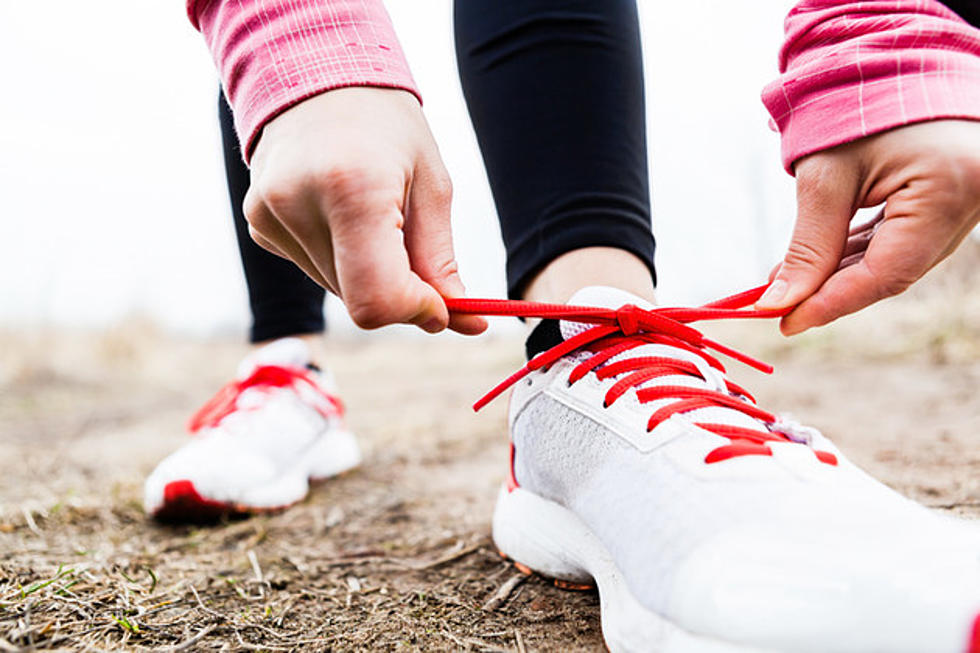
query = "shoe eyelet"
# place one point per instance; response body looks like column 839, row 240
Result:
column 530, row 382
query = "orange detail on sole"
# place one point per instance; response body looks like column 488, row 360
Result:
column 524, row 569
column 558, row 582
column 574, row 587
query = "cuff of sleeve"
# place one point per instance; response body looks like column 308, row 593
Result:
column 878, row 95
column 270, row 60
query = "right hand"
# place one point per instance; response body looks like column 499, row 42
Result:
column 349, row 186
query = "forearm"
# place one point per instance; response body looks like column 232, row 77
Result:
column 852, row 69
column 273, row 54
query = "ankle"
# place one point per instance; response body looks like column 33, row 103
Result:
column 313, row 340
column 590, row 266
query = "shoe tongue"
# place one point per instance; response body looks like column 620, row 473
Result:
column 600, row 296
column 285, row 352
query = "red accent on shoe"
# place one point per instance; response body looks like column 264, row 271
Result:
column 182, row 501
column 973, row 646
column 617, row 331
column 224, row 402
column 737, row 449
column 511, row 479
column 826, row 457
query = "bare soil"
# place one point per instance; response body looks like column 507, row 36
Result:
column 396, row 555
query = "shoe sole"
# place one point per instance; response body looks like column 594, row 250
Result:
column 541, row 536
column 328, row 457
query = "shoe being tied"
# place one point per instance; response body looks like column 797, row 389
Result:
column 258, row 443
column 706, row 522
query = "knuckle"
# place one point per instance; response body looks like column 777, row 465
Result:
column 258, row 218
column 280, row 195
column 802, row 254
column 442, row 187
column 444, row 270
column 370, row 309
column 893, row 284
column 343, row 184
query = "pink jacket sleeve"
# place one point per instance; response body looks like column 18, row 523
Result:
column 851, row 69
column 272, row 54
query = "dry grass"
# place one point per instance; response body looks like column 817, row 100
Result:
column 395, row 555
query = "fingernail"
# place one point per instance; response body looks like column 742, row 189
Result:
column 432, row 326
column 773, row 295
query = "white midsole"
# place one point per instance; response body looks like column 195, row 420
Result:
column 330, row 454
column 553, row 541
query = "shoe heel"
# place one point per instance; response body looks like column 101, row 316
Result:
column 540, row 536
column 333, row 454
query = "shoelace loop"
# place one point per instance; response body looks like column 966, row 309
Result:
column 615, row 331
column 225, row 401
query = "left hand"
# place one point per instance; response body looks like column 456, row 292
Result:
column 928, row 177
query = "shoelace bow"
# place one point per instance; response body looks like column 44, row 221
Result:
column 615, row 331
column 225, row 401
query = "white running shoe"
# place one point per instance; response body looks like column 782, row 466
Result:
column 707, row 523
column 257, row 443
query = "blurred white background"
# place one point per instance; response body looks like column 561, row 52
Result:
column 114, row 203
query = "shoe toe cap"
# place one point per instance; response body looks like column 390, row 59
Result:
column 900, row 591
column 222, row 477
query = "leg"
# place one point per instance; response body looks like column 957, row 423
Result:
column 284, row 301
column 555, row 92
column 290, row 428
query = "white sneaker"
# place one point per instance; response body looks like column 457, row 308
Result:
column 257, row 443
column 706, row 523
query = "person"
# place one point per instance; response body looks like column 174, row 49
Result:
column 707, row 522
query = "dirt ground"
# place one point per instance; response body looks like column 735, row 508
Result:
column 396, row 555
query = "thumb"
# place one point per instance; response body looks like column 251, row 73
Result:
column 826, row 192
column 429, row 241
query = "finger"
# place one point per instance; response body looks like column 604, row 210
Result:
column 429, row 241
column 869, row 225
column 897, row 256
column 774, row 271
column 857, row 243
column 373, row 270
column 295, row 223
column 826, row 192
column 848, row 261
column 268, row 232
column 265, row 244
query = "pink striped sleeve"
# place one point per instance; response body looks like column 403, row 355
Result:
column 851, row 69
column 272, row 54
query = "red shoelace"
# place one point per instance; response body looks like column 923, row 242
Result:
column 615, row 331
column 225, row 401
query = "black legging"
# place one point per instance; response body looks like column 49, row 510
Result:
column 555, row 92
column 284, row 301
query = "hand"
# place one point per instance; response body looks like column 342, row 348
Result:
column 928, row 177
column 350, row 187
